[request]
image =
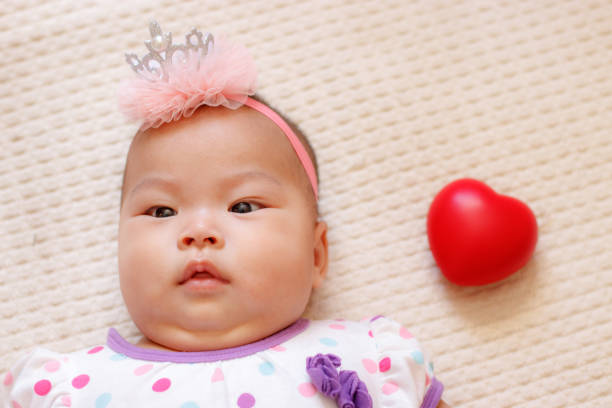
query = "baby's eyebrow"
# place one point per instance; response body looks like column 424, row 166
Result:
column 154, row 182
column 231, row 180
column 247, row 175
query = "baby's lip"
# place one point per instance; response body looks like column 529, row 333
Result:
column 196, row 266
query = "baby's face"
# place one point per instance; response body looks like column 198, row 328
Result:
column 218, row 242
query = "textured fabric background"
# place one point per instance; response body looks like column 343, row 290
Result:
column 399, row 98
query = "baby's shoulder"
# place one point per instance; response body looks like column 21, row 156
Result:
column 43, row 363
column 367, row 337
column 375, row 330
column 44, row 373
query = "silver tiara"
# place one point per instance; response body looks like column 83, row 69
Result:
column 153, row 66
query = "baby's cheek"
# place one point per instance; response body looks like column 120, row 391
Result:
column 141, row 244
column 142, row 262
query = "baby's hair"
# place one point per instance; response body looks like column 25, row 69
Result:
column 296, row 129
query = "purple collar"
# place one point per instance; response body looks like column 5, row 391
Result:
column 120, row 345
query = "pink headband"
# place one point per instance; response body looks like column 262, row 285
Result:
column 174, row 80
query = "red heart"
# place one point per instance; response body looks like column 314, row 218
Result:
column 477, row 236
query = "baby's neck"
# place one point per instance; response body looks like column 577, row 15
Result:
column 252, row 345
column 148, row 344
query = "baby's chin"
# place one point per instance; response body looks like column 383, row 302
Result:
column 175, row 338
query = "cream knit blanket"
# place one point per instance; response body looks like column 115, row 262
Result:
column 399, row 98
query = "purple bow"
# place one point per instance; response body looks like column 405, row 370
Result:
column 345, row 387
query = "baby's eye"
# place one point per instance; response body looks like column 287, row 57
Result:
column 161, row 212
column 244, row 207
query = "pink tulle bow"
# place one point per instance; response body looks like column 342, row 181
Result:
column 226, row 76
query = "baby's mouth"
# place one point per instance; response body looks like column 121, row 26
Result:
column 202, row 273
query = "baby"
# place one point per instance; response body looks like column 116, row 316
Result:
column 220, row 248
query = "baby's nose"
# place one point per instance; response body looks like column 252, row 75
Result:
column 194, row 241
column 200, row 236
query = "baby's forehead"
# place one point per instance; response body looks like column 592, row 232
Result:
column 229, row 138
column 216, row 133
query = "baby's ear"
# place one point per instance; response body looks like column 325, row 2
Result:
column 320, row 254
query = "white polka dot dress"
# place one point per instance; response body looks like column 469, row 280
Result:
column 384, row 356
